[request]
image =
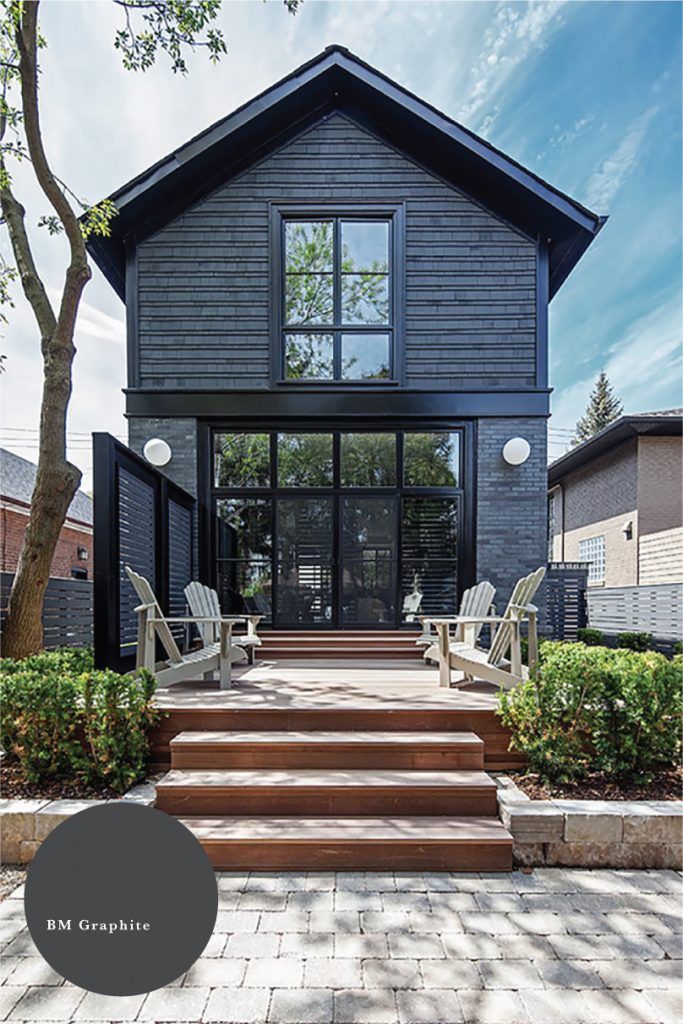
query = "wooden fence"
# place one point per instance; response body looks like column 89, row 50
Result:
column 656, row 609
column 67, row 611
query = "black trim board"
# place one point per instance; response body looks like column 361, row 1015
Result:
column 330, row 403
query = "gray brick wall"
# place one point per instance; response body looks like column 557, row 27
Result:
column 204, row 279
column 511, row 505
column 181, row 435
column 607, row 487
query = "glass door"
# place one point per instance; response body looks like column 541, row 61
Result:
column 304, row 554
column 368, row 561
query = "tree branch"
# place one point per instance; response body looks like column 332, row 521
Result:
column 14, row 213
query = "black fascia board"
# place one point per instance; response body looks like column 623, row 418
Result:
column 611, row 437
column 336, row 79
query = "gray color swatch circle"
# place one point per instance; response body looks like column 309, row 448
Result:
column 121, row 899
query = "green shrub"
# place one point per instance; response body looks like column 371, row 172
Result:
column 677, row 648
column 591, row 637
column 635, row 641
column 596, row 709
column 60, row 718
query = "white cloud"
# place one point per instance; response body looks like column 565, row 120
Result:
column 516, row 32
column 610, row 176
column 647, row 359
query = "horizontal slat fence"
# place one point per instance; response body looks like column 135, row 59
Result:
column 67, row 611
column 655, row 609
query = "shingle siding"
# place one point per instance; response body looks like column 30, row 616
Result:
column 204, row 279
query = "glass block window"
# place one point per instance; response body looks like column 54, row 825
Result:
column 592, row 550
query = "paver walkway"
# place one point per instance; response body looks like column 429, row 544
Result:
column 554, row 946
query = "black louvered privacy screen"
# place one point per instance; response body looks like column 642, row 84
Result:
column 144, row 520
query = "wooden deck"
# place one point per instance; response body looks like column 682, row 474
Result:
column 335, row 695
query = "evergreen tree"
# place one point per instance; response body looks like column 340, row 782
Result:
column 603, row 408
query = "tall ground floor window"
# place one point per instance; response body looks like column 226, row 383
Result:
column 340, row 528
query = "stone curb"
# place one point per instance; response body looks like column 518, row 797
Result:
column 592, row 833
column 25, row 823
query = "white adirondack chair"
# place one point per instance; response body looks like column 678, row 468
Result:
column 203, row 601
column 411, row 605
column 493, row 665
column 152, row 623
column 477, row 600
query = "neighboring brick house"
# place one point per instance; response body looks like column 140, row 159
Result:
column 73, row 557
column 616, row 501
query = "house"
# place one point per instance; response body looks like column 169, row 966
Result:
column 337, row 319
column 73, row 555
column 616, row 502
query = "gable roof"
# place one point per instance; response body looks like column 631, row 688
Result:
column 667, row 423
column 338, row 80
column 18, row 478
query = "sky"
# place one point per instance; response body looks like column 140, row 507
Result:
column 585, row 94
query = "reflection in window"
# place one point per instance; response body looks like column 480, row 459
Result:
column 429, row 539
column 431, row 460
column 368, row 460
column 336, row 276
column 309, row 356
column 242, row 460
column 365, row 356
column 244, row 549
column 304, row 559
column 304, row 460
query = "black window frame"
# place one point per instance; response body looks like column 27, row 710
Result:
column 394, row 215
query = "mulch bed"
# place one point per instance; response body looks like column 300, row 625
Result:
column 13, row 786
column 666, row 785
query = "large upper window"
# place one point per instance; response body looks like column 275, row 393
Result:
column 337, row 298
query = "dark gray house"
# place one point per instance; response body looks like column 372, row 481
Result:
column 337, row 317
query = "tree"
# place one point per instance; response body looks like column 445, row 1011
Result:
column 603, row 408
column 151, row 28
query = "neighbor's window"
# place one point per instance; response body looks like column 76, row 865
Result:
column 592, row 550
column 337, row 305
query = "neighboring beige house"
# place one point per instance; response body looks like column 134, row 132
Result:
column 616, row 501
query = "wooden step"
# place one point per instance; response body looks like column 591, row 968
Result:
column 360, row 844
column 385, row 652
column 416, row 750
column 332, row 792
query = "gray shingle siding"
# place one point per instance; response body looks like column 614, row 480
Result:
column 204, row 279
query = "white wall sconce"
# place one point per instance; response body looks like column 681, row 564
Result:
column 516, row 451
column 157, row 451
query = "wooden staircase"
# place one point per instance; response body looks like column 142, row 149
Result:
column 363, row 643
column 328, row 796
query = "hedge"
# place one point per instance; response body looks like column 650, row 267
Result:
column 60, row 718
column 591, row 709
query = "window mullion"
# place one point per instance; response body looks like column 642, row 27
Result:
column 336, row 296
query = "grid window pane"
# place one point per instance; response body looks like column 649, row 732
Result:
column 365, row 299
column 365, row 247
column 309, row 356
column 244, row 528
column 304, row 460
column 245, row 587
column 242, row 460
column 308, row 299
column 368, row 460
column 309, row 247
column 592, row 550
column 431, row 459
column 365, row 356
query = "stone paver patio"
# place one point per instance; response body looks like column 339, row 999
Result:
column 554, row 946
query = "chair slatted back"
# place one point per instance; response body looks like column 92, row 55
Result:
column 522, row 594
column 161, row 627
column 203, row 602
column 477, row 601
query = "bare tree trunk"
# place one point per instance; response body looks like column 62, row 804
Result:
column 57, row 480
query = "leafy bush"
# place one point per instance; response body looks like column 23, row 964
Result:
column 635, row 641
column 678, row 648
column 595, row 709
column 60, row 718
column 590, row 637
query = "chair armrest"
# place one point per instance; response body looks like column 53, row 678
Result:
column 475, row 619
column 185, row 618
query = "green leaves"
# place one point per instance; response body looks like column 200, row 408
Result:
column 169, row 26
column 592, row 709
column 63, row 719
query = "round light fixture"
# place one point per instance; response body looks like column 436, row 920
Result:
column 157, row 451
column 516, row 451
